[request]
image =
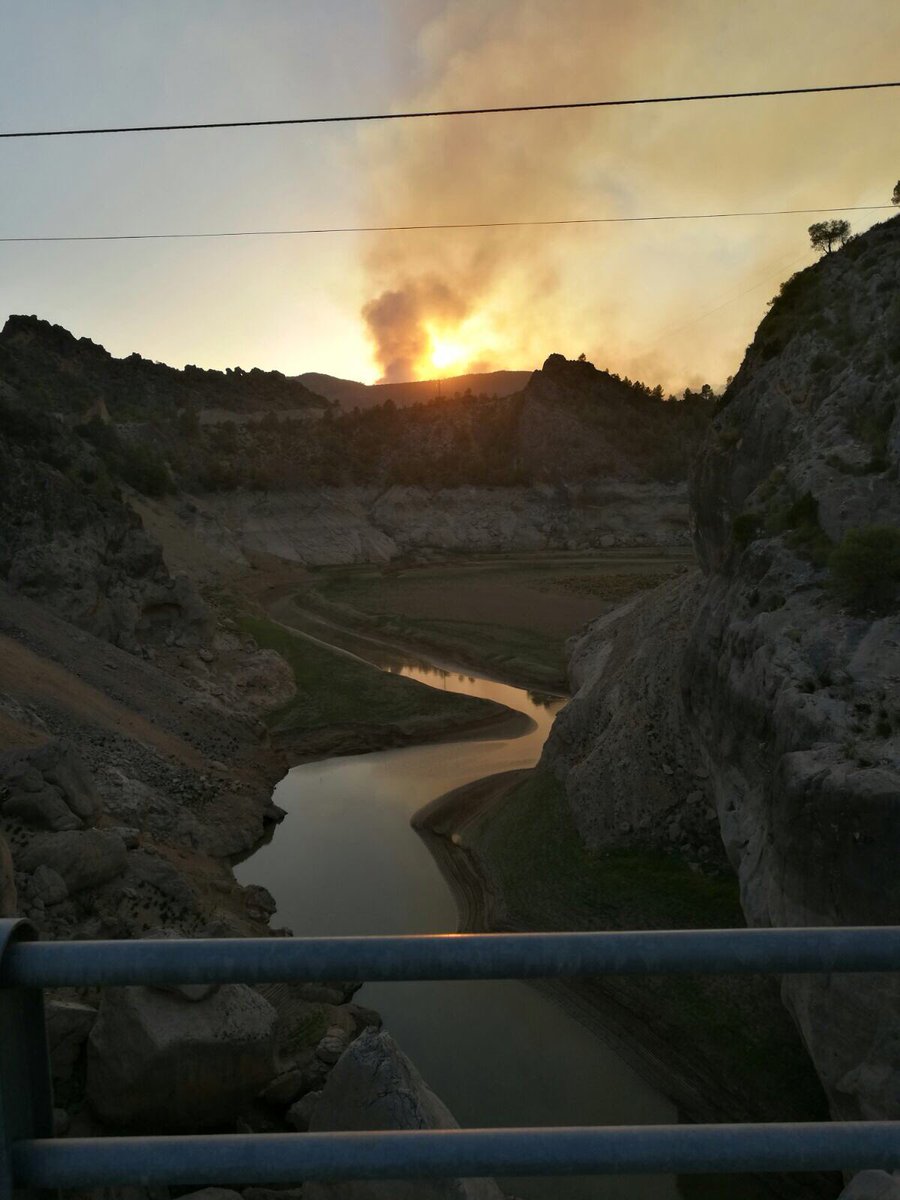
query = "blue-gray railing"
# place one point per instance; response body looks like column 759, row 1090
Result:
column 30, row 1158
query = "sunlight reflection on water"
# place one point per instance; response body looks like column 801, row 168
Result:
column 345, row 861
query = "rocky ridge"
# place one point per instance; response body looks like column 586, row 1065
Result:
column 758, row 689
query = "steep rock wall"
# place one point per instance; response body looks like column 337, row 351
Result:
column 756, row 682
column 357, row 524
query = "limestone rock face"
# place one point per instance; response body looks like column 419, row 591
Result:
column 633, row 771
column 48, row 787
column 67, row 542
column 68, row 1026
column 756, row 681
column 9, row 901
column 159, row 1061
column 375, row 1086
column 84, row 858
column 872, row 1185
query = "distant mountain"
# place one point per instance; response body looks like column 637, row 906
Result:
column 350, row 394
column 57, row 372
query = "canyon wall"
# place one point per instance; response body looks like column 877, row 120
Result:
column 752, row 710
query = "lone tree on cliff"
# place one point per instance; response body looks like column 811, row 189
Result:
column 824, row 234
column 895, row 199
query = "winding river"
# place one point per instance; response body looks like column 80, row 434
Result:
column 345, row 861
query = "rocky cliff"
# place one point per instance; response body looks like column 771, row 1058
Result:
column 754, row 709
column 68, row 540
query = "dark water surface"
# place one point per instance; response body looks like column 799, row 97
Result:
column 345, row 861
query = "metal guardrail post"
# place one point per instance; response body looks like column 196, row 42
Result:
column 26, row 1093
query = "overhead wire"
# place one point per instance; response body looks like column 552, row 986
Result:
column 451, row 112
column 337, row 229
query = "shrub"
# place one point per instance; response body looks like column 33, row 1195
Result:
column 746, row 526
column 865, row 568
column 144, row 468
column 800, row 522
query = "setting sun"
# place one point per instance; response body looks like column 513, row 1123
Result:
column 453, row 349
column 446, row 353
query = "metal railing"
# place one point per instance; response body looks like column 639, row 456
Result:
column 30, row 1158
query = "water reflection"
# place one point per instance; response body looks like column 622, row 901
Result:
column 345, row 861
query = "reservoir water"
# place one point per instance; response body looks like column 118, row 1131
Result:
column 346, row 861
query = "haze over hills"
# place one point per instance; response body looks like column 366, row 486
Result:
column 349, row 394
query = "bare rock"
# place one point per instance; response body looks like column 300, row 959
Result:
column 188, row 991
column 273, row 1193
column 68, row 1026
column 299, row 1115
column 48, row 787
column 84, row 858
column 213, row 1193
column 872, row 1185
column 284, row 1089
column 48, row 886
column 333, row 1044
column 44, row 809
column 375, row 1086
column 157, row 1061
column 9, row 901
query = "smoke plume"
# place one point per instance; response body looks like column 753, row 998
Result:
column 634, row 297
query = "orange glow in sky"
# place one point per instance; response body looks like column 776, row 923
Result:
column 447, row 351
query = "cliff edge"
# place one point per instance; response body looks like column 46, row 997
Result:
column 754, row 708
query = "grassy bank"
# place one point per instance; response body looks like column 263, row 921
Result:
column 337, row 691
column 730, row 1036
column 510, row 614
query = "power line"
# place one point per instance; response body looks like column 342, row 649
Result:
column 779, row 274
column 453, row 112
column 242, row 233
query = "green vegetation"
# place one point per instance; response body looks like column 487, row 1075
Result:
column 335, row 689
column 737, row 1028
column 511, row 615
column 800, row 521
column 746, row 526
column 865, row 568
column 137, row 463
column 545, row 867
column 824, row 235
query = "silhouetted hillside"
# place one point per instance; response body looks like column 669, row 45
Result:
column 52, row 368
column 349, row 394
column 160, row 429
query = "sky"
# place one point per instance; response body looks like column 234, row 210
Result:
column 668, row 302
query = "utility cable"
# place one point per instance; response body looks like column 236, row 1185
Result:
column 239, row 233
column 246, row 233
column 453, row 112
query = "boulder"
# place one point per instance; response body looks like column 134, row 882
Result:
column 44, row 809
column 872, row 1185
column 48, row 886
column 84, row 858
column 9, row 900
column 375, row 1086
column 62, row 790
column 271, row 1193
column 188, row 991
column 68, row 1026
column 299, row 1115
column 333, row 1044
column 159, row 1062
column 212, row 1193
column 285, row 1089
column 61, row 765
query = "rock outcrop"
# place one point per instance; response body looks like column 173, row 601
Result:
column 375, row 1086
column 48, row 787
column 324, row 525
column 158, row 1060
column 68, row 540
column 761, row 688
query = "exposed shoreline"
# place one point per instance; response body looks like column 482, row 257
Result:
column 452, row 826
